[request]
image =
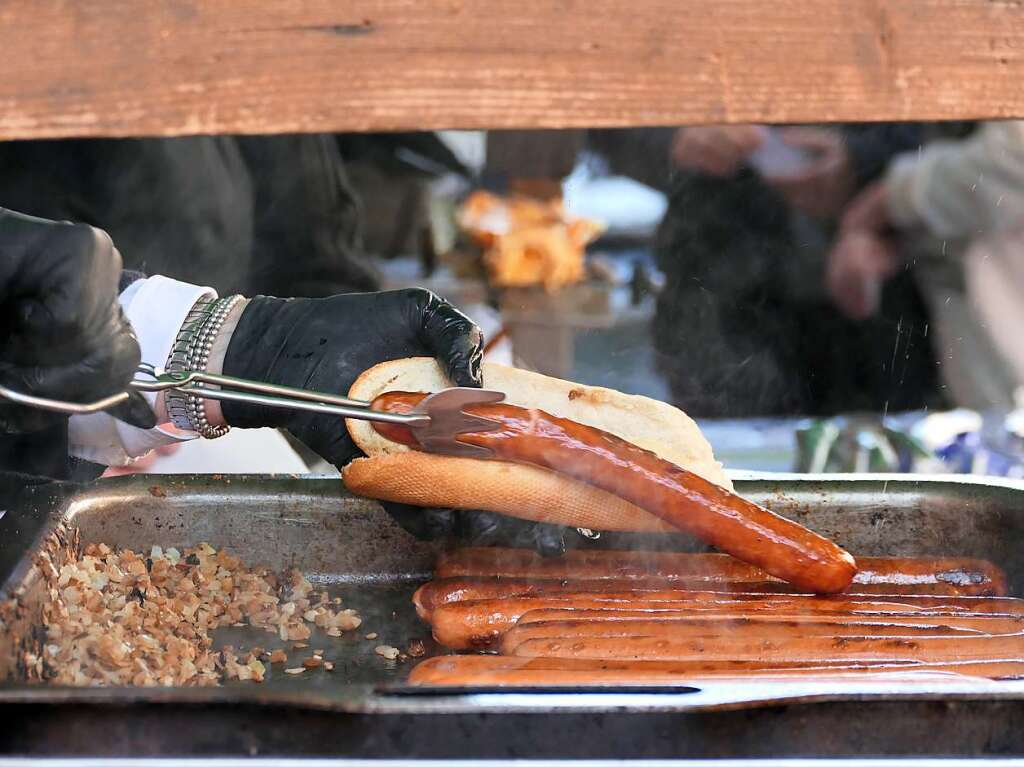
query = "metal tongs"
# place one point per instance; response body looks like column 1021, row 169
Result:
column 435, row 423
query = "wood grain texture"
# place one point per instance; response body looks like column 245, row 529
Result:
column 170, row 67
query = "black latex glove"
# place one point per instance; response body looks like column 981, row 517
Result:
column 324, row 344
column 479, row 528
column 65, row 336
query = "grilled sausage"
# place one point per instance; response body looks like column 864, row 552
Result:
column 762, row 628
column 767, row 610
column 596, row 564
column 459, row 589
column 447, row 590
column 479, row 624
column 666, row 645
column 502, row 671
column 463, row 625
column 923, row 575
column 685, row 500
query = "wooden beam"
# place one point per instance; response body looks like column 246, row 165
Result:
column 168, row 67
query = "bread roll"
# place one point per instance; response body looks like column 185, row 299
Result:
column 393, row 472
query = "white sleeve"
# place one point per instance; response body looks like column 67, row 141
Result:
column 156, row 307
column 961, row 189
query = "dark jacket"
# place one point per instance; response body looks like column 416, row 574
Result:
column 266, row 214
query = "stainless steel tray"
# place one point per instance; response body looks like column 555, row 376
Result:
column 355, row 549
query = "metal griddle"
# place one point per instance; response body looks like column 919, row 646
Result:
column 352, row 547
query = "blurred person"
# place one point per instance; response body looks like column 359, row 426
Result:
column 306, row 219
column 994, row 278
column 252, row 214
column 744, row 326
column 954, row 211
column 181, row 207
column 393, row 175
column 530, row 162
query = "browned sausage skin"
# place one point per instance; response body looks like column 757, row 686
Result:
column 808, row 650
column 936, row 575
column 500, row 671
column 766, row 629
column 447, row 590
column 432, row 595
column 687, row 501
column 480, row 624
column 768, row 610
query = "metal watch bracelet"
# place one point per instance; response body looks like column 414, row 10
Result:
column 191, row 351
column 179, row 358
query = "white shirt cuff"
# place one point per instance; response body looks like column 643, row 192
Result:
column 156, row 307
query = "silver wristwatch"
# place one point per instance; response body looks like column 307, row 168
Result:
column 191, row 351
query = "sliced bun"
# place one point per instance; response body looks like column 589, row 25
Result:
column 393, row 472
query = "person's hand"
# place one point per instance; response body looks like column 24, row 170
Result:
column 718, row 150
column 858, row 264
column 863, row 256
column 324, row 344
column 825, row 185
column 65, row 335
column 869, row 211
column 479, row 528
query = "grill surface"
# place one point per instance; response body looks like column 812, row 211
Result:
column 352, row 547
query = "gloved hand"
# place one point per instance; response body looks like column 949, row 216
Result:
column 324, row 344
column 479, row 528
column 65, row 335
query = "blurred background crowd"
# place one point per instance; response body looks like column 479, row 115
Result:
column 819, row 298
